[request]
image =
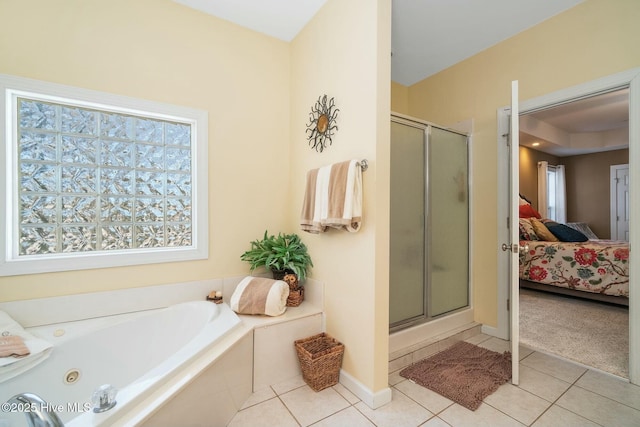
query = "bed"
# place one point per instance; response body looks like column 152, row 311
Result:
column 564, row 260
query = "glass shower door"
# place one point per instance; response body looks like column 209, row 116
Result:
column 407, row 225
column 448, row 222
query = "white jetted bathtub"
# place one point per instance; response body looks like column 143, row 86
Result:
column 141, row 354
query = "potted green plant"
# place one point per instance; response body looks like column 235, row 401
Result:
column 281, row 254
column 286, row 257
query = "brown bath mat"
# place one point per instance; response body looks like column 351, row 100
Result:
column 464, row 373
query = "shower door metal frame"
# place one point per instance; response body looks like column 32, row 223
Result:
column 405, row 323
column 426, row 316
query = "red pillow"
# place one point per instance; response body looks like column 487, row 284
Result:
column 527, row 211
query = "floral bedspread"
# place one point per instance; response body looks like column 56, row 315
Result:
column 598, row 266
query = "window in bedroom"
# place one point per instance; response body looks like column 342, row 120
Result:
column 96, row 180
column 552, row 200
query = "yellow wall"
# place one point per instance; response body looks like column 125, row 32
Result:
column 587, row 184
column 589, row 188
column 258, row 92
column 162, row 51
column 344, row 53
column 592, row 40
column 528, row 168
column 399, row 98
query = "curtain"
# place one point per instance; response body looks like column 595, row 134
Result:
column 552, row 192
column 543, row 206
column 561, row 195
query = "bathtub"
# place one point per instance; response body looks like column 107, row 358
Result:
column 138, row 353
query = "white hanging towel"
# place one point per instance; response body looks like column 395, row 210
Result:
column 333, row 198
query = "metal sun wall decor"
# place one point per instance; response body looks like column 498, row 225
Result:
column 322, row 123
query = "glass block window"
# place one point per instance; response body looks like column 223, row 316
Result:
column 93, row 180
column 90, row 178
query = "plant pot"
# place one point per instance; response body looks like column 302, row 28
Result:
column 279, row 274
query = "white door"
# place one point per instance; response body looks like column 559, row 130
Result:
column 512, row 247
column 620, row 202
column 630, row 78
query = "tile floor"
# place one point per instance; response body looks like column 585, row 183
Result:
column 552, row 392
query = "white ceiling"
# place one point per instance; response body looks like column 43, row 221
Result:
column 427, row 35
column 431, row 35
column 589, row 125
column 608, row 111
column 282, row 19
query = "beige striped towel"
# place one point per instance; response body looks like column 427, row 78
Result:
column 259, row 295
column 333, row 198
column 13, row 345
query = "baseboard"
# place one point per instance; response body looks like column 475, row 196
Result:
column 490, row 330
column 372, row 400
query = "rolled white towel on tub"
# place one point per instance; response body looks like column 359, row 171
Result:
column 38, row 349
column 260, row 295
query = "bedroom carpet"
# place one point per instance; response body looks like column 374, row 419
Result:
column 464, row 373
column 588, row 332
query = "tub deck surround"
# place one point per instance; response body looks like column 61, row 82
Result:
column 155, row 391
column 135, row 353
column 69, row 308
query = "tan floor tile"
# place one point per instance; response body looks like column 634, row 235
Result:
column 554, row 366
column 308, row 406
column 560, row 417
column 541, row 384
column 612, row 387
column 266, row 414
column 599, row 409
column 259, row 396
column 344, row 392
column 347, row 417
column 496, row 344
column 401, row 362
column 435, row 422
column 288, row 385
column 517, row 403
column 395, row 378
column 477, row 339
column 429, row 350
column 400, row 412
column 524, row 351
column 425, row 397
column 486, row 415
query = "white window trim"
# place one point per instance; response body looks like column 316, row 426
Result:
column 11, row 265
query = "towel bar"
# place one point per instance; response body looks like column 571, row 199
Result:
column 364, row 164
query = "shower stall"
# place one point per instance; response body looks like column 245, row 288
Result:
column 429, row 223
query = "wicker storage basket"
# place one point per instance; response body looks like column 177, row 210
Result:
column 296, row 296
column 320, row 359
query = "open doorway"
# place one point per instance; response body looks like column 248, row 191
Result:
column 626, row 79
column 561, row 309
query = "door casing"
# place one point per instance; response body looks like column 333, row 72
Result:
column 630, row 79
